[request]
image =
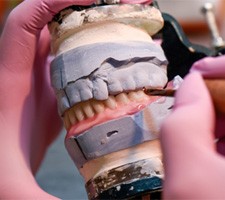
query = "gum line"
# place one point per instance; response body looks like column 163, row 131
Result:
column 110, row 114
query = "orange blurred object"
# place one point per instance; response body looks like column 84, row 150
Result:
column 3, row 7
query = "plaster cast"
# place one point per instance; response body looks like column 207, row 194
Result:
column 143, row 63
column 62, row 102
column 109, row 62
column 70, row 22
column 147, row 150
column 82, row 61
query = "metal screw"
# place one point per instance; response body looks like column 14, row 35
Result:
column 208, row 11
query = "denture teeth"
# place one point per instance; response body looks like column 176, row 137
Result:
column 122, row 98
column 111, row 102
column 132, row 96
column 88, row 110
column 72, row 116
column 79, row 113
column 98, row 106
column 140, row 94
column 66, row 121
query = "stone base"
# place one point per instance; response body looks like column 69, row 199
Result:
column 127, row 181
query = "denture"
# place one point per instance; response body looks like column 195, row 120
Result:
column 105, row 56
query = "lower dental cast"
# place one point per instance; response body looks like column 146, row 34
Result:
column 102, row 63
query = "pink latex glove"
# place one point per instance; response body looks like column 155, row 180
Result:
column 28, row 115
column 193, row 167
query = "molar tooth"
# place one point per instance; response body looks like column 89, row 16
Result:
column 78, row 112
column 122, row 98
column 111, row 102
column 132, row 96
column 140, row 95
column 86, row 106
column 98, row 106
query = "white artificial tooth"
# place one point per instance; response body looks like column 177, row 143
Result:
column 72, row 117
column 88, row 109
column 66, row 121
column 122, row 98
column 132, row 96
column 140, row 94
column 98, row 106
column 78, row 112
column 111, row 102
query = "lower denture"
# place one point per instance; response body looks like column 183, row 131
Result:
column 126, row 104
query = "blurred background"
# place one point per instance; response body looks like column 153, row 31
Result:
column 58, row 175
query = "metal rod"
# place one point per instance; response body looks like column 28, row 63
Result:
column 208, row 11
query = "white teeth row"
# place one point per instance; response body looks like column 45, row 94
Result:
column 88, row 109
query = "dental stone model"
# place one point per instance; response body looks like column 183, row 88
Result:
column 105, row 56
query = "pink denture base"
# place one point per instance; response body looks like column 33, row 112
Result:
column 110, row 114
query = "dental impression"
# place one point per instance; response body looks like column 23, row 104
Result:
column 105, row 56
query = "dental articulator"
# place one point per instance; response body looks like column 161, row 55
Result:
column 115, row 83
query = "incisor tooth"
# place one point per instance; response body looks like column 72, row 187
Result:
column 98, row 106
column 86, row 106
column 111, row 102
column 122, row 98
column 78, row 113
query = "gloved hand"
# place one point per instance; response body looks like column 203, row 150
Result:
column 28, row 114
column 193, row 167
